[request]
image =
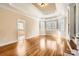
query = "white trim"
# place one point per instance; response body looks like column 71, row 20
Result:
column 32, row 36
column 17, row 11
column 16, row 41
column 7, row 43
column 43, row 16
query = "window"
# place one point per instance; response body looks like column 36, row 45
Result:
column 20, row 26
column 61, row 25
column 42, row 27
column 21, row 29
column 51, row 26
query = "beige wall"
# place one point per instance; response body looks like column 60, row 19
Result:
column 8, row 29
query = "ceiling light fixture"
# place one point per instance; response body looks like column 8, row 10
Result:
column 43, row 4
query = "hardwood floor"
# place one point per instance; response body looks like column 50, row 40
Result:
column 32, row 47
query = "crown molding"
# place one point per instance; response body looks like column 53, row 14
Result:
column 14, row 9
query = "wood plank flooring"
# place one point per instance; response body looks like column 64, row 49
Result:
column 28, row 47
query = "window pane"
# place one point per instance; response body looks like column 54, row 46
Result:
column 20, row 26
column 61, row 25
column 42, row 27
column 51, row 26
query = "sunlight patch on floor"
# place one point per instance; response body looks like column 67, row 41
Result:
column 21, row 46
column 42, row 44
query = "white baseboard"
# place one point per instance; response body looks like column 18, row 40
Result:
column 7, row 43
column 31, row 36
column 16, row 41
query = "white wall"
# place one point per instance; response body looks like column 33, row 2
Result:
column 32, row 28
column 77, row 20
column 8, row 29
column 72, row 20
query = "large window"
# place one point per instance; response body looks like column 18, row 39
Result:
column 51, row 26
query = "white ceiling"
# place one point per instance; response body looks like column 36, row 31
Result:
column 35, row 11
column 48, row 9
